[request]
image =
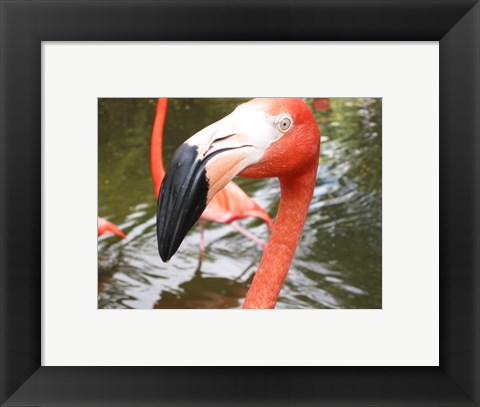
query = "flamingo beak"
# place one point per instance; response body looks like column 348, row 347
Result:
column 182, row 199
column 202, row 166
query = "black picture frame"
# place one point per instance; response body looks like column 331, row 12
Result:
column 24, row 24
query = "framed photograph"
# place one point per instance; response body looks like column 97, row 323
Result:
column 380, row 306
column 214, row 265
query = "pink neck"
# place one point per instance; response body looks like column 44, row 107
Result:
column 296, row 194
column 156, row 148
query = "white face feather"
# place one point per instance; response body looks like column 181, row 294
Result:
column 245, row 135
column 243, row 127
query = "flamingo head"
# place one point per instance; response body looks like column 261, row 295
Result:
column 259, row 139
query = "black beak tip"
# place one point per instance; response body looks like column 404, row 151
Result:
column 181, row 201
column 165, row 258
column 164, row 246
column 165, row 251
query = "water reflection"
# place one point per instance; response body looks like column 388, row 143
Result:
column 337, row 263
column 204, row 292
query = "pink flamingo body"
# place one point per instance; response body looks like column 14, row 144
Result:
column 105, row 226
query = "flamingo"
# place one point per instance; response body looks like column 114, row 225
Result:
column 105, row 226
column 321, row 104
column 261, row 138
column 228, row 205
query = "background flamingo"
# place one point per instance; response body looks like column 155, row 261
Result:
column 321, row 104
column 105, row 226
column 228, row 205
column 261, row 138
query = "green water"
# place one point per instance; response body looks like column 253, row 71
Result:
column 338, row 263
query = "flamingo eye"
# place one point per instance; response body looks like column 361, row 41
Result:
column 284, row 123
